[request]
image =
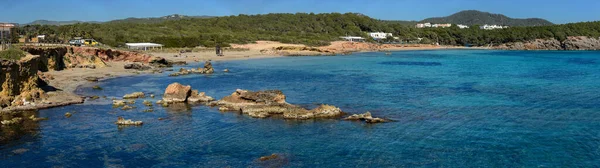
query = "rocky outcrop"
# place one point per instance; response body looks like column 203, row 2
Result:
column 581, row 43
column 366, row 117
column 134, row 95
column 122, row 121
column 207, row 69
column 263, row 104
column 20, row 82
column 198, row 97
column 177, row 93
column 136, row 66
column 571, row 43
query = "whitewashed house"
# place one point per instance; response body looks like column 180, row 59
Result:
column 380, row 35
column 462, row 26
column 492, row 27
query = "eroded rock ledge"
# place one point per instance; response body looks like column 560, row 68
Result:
column 571, row 43
column 263, row 104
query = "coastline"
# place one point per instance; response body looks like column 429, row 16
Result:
column 67, row 81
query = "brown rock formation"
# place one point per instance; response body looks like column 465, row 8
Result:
column 20, row 81
column 177, row 93
column 207, row 69
column 366, row 117
column 196, row 97
column 262, row 104
column 571, row 43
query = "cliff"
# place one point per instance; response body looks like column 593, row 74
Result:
column 23, row 89
column 20, row 82
column 571, row 43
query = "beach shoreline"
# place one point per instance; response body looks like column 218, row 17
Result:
column 68, row 81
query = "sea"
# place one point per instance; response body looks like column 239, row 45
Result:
column 449, row 108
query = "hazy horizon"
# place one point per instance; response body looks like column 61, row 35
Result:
column 555, row 11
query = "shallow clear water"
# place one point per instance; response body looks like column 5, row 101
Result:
column 456, row 108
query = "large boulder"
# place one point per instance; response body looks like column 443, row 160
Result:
column 177, row 93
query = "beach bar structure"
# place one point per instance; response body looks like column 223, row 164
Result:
column 143, row 46
column 353, row 38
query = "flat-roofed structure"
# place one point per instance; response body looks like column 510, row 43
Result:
column 353, row 38
column 143, row 46
column 5, row 30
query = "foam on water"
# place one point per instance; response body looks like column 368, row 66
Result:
column 453, row 108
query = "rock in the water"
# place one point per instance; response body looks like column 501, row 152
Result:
column 226, row 70
column 177, row 93
column 199, row 97
column 68, row 114
column 367, row 117
column 359, row 116
column 262, row 104
column 92, row 79
column 134, row 95
column 136, row 66
column 33, row 118
column 265, row 158
column 96, row 87
column 126, row 107
column 118, row 103
column 147, row 103
column 122, row 121
column 12, row 121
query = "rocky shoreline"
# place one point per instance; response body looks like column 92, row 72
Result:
column 29, row 83
column 571, row 43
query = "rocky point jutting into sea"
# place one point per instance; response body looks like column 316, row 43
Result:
column 25, row 84
column 571, row 43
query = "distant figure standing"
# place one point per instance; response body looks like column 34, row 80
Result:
column 218, row 50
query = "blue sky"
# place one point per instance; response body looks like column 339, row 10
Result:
column 557, row 11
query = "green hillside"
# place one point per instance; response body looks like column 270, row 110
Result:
column 473, row 17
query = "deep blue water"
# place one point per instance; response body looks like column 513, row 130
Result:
column 454, row 108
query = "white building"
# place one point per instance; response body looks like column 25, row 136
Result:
column 380, row 35
column 462, row 26
column 492, row 27
column 143, row 46
column 423, row 25
column 41, row 37
column 353, row 38
column 442, row 25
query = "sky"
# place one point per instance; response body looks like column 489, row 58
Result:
column 557, row 11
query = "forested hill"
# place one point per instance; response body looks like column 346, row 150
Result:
column 473, row 17
column 300, row 28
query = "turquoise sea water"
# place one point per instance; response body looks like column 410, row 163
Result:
column 453, row 108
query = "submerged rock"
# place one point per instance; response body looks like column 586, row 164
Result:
column 134, row 95
column 96, row 87
column 270, row 157
column 147, row 103
column 33, row 118
column 122, row 121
